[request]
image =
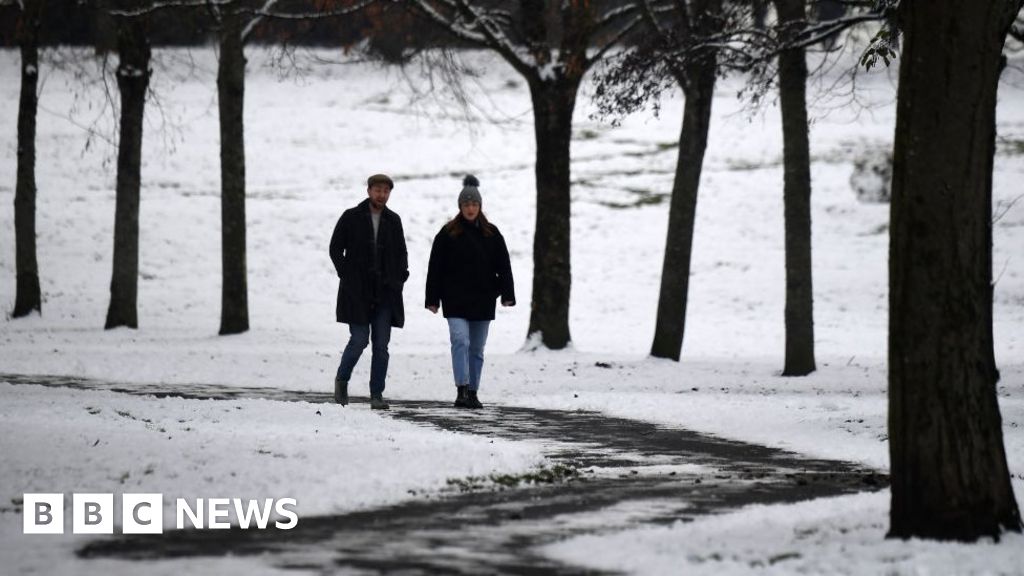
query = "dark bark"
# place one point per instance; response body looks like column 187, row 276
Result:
column 796, row 199
column 553, row 104
column 670, row 326
column 133, row 74
column 948, row 464
column 28, row 296
column 234, row 316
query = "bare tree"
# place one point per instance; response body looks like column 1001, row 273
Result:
column 948, row 464
column 551, row 44
column 696, row 75
column 236, row 20
column 796, row 193
column 233, row 27
column 133, row 73
column 28, row 295
column 677, row 49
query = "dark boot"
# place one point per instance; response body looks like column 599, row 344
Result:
column 340, row 391
column 460, row 397
column 378, row 403
column 472, row 401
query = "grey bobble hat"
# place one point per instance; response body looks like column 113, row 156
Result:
column 470, row 192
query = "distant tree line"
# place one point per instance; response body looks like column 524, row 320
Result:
column 387, row 26
column 391, row 27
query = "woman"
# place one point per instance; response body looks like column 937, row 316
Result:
column 469, row 268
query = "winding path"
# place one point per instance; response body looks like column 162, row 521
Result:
column 608, row 474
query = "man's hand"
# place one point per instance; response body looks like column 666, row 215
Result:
column 432, row 309
column 507, row 303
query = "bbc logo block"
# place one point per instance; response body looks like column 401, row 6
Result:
column 92, row 514
column 43, row 513
column 142, row 513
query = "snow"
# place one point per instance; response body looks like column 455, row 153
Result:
column 311, row 141
column 842, row 535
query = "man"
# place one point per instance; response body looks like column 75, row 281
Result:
column 369, row 254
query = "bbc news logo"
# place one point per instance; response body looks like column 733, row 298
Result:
column 144, row 513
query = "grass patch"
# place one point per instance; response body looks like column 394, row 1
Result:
column 745, row 165
column 639, row 199
column 543, row 475
column 1011, row 146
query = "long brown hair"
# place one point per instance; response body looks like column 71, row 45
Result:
column 454, row 226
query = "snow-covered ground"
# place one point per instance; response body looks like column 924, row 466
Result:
column 311, row 141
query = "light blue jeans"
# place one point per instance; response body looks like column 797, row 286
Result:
column 468, row 340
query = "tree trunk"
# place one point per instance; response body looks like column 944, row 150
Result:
column 670, row 326
column 234, row 315
column 28, row 296
column 553, row 104
column 132, row 81
column 948, row 464
column 796, row 199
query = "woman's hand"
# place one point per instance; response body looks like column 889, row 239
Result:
column 432, row 309
column 507, row 303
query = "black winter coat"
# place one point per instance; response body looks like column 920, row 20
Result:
column 363, row 285
column 468, row 271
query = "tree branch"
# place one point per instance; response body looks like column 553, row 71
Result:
column 477, row 32
column 652, row 20
column 257, row 13
column 451, row 25
column 626, row 29
column 814, row 34
column 615, row 14
column 266, row 13
column 170, row 4
column 255, row 21
column 498, row 41
column 750, row 46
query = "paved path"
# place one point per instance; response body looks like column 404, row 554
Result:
column 607, row 474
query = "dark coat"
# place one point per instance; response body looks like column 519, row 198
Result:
column 362, row 284
column 468, row 271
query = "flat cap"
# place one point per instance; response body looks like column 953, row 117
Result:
column 380, row 179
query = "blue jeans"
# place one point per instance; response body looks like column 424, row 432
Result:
column 379, row 329
column 468, row 340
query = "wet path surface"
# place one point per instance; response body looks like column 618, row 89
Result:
column 607, row 474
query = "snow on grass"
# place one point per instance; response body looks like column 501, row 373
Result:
column 840, row 535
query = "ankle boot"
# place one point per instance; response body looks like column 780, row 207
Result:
column 472, row 401
column 340, row 391
column 460, row 397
